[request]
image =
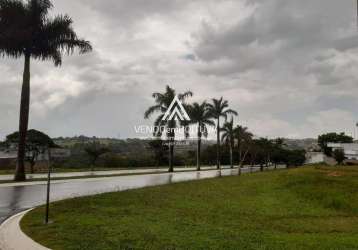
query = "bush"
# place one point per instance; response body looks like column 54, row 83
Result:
column 339, row 156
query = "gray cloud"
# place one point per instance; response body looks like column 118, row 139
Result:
column 289, row 67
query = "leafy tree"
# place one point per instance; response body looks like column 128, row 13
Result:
column 95, row 150
column 27, row 31
column 162, row 104
column 324, row 139
column 278, row 154
column 244, row 142
column 219, row 108
column 2, row 144
column 228, row 137
column 265, row 150
column 295, row 157
column 36, row 143
column 339, row 156
column 200, row 115
column 159, row 149
column 208, row 156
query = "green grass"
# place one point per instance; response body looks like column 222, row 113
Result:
column 306, row 208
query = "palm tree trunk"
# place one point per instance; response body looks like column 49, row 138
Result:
column 23, row 122
column 240, row 156
column 231, row 159
column 171, row 154
column 198, row 153
column 239, row 147
column 218, row 153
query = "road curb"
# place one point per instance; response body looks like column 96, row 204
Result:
column 13, row 238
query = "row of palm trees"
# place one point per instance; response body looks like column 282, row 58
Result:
column 202, row 115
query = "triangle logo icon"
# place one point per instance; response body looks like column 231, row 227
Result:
column 176, row 111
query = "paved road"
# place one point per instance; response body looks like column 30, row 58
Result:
column 98, row 173
column 14, row 199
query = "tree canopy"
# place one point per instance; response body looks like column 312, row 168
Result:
column 324, row 139
column 33, row 138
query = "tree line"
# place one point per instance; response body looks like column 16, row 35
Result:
column 237, row 139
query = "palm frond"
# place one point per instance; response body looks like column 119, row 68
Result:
column 39, row 9
column 185, row 95
column 14, row 31
column 230, row 112
column 26, row 29
column 159, row 123
column 152, row 110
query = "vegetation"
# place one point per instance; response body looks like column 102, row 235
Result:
column 36, row 143
column 160, row 151
column 228, row 137
column 94, row 151
column 219, row 108
column 162, row 105
column 201, row 116
column 305, row 208
column 324, row 139
column 339, row 156
column 28, row 31
column 244, row 143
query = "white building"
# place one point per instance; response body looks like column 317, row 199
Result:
column 350, row 149
column 314, row 157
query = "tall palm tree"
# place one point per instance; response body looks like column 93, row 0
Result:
column 244, row 137
column 228, row 137
column 200, row 115
column 219, row 108
column 162, row 105
column 27, row 31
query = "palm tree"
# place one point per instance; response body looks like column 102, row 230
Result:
column 200, row 115
column 228, row 137
column 162, row 105
column 244, row 137
column 27, row 31
column 219, row 108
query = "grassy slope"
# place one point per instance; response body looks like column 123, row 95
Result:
column 298, row 209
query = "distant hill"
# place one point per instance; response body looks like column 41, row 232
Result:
column 309, row 144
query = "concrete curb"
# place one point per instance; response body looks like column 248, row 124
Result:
column 12, row 237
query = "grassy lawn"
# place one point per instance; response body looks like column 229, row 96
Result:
column 306, row 208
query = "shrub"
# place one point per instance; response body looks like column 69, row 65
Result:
column 339, row 156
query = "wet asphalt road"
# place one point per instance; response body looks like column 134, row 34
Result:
column 14, row 199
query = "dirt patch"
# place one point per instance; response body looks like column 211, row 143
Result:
column 335, row 174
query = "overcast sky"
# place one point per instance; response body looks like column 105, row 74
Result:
column 290, row 68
